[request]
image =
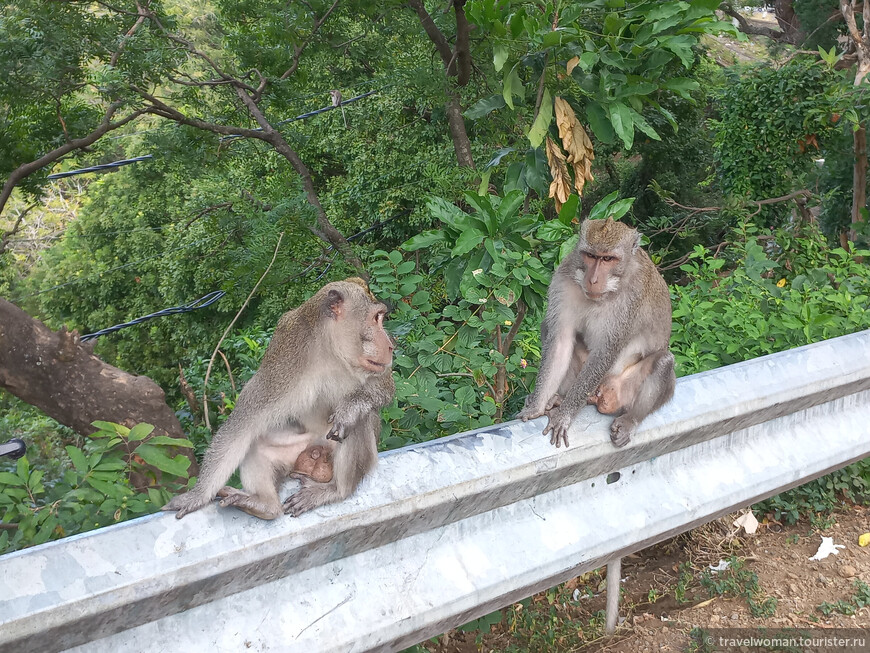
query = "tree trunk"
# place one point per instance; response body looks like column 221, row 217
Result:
column 461, row 143
column 859, row 179
column 54, row 372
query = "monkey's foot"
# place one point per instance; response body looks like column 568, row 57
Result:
column 312, row 495
column 557, row 427
column 249, row 503
column 622, row 429
column 187, row 503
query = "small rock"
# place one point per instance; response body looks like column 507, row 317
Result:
column 735, row 616
column 793, row 588
column 714, row 619
column 792, row 575
column 824, row 579
column 847, row 571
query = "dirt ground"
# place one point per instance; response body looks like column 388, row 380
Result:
column 569, row 618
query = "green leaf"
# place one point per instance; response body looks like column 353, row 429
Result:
column 483, row 189
column 613, row 24
column 641, row 123
column 425, row 239
column 543, row 120
column 499, row 56
column 600, row 210
column 78, row 459
column 110, row 427
column 537, row 171
column 512, row 86
column 484, row 107
column 620, row 118
column 620, row 208
column 569, row 209
column 599, row 123
column 140, row 432
column 153, row 456
column 8, row 478
column 681, row 86
column 466, row 242
column 510, row 205
column 166, row 441
column 680, row 46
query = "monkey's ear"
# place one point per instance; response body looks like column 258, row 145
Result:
column 334, row 305
column 636, row 244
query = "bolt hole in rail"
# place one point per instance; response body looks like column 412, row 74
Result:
column 449, row 530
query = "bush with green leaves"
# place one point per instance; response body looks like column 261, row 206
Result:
column 96, row 491
column 784, row 291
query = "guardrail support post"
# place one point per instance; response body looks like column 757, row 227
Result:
column 614, row 569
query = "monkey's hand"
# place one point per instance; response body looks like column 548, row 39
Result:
column 557, row 426
column 532, row 409
column 555, row 402
column 344, row 417
column 187, row 503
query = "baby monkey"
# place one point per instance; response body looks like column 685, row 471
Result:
column 312, row 410
column 604, row 339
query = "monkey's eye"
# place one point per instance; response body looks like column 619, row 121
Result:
column 607, row 259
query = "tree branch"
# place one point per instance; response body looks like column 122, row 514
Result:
column 435, row 35
column 7, row 235
column 25, row 170
column 756, row 30
column 299, row 49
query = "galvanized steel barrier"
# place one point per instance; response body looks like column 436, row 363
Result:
column 449, row 530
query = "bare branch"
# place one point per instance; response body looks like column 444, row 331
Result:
column 7, row 235
column 25, row 170
column 299, row 49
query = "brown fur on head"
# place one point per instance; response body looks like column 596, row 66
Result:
column 362, row 283
column 600, row 236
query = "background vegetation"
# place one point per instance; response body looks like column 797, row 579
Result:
column 438, row 184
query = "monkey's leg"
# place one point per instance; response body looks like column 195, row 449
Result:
column 655, row 381
column 228, row 448
column 259, row 472
column 351, row 461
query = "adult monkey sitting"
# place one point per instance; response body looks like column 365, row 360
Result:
column 605, row 335
column 311, row 411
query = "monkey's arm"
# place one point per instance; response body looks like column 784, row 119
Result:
column 374, row 394
column 591, row 375
column 556, row 354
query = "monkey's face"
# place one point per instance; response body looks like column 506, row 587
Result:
column 599, row 273
column 376, row 344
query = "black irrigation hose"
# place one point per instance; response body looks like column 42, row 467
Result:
column 202, row 302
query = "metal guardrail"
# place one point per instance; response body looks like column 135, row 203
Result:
column 449, row 530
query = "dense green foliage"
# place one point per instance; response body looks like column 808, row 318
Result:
column 94, row 491
column 463, row 255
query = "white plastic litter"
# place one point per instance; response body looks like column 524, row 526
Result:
column 826, row 548
column 748, row 522
column 722, row 566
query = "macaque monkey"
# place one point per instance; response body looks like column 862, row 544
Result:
column 605, row 335
column 310, row 412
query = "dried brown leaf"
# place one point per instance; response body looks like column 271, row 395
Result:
column 576, row 142
column 572, row 64
column 560, row 188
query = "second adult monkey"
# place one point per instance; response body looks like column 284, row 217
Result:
column 311, row 411
column 604, row 339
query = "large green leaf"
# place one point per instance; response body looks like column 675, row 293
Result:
column 599, row 122
column 599, row 211
column 499, row 56
column 542, row 121
column 425, row 239
column 466, row 242
column 176, row 466
column 484, row 107
column 641, row 123
column 623, row 125
column 513, row 85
